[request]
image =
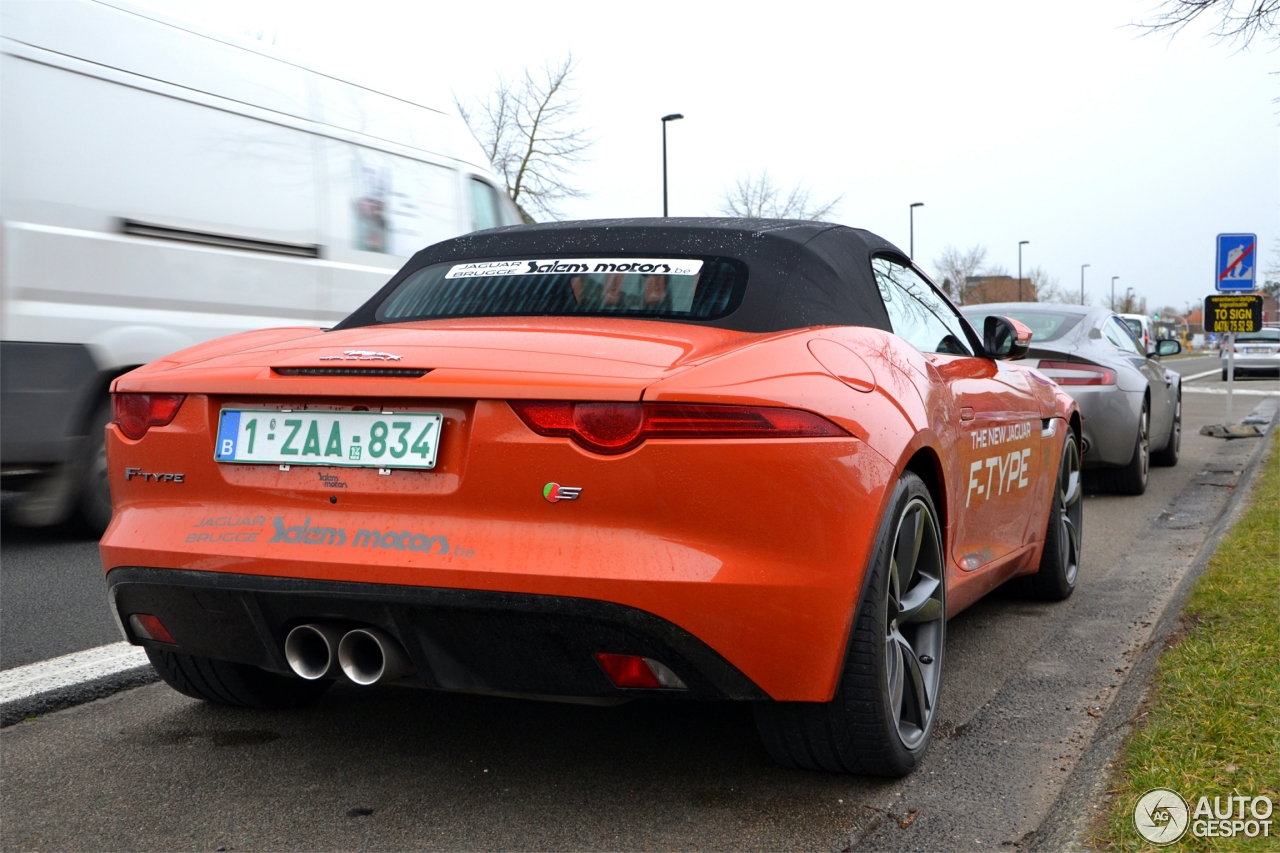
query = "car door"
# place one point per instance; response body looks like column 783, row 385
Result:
column 984, row 413
column 1158, row 380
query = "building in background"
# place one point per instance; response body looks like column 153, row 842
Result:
column 980, row 289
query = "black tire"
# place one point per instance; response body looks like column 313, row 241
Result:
column 236, row 684
column 1168, row 456
column 882, row 715
column 1224, row 374
column 1132, row 478
column 93, row 502
column 1060, row 562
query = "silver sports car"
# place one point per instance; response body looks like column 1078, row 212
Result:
column 1132, row 405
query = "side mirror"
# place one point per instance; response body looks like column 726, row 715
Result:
column 1167, row 347
column 1005, row 339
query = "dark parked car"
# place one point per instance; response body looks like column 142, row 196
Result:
column 1132, row 405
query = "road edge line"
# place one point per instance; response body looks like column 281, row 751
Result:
column 97, row 680
column 1069, row 820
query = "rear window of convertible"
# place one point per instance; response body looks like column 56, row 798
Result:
column 659, row 288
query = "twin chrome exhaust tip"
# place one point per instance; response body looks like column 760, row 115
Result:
column 364, row 655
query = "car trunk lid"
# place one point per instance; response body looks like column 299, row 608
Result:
column 517, row 358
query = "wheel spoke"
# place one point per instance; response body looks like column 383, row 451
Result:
column 1072, row 492
column 1072, row 534
column 893, row 651
column 921, row 603
column 915, row 683
column 894, row 592
column 907, row 549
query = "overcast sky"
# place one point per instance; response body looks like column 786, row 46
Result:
column 1053, row 122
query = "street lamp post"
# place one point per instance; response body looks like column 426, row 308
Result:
column 911, row 252
column 665, row 119
column 1021, row 243
column 1082, row 266
column 1113, row 291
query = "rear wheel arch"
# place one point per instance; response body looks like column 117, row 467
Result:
column 926, row 464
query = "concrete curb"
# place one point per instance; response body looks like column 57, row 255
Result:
column 1068, row 823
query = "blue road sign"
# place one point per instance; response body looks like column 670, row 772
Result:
column 1237, row 260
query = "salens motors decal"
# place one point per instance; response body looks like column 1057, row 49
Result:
column 398, row 540
column 548, row 266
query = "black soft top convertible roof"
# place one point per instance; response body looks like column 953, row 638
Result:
column 800, row 273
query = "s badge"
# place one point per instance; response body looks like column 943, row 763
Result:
column 555, row 492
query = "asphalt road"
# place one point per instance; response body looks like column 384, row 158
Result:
column 1192, row 364
column 53, row 599
column 1025, row 686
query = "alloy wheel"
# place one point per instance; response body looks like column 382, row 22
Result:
column 1070, row 511
column 914, row 623
column 1144, row 441
column 1177, row 425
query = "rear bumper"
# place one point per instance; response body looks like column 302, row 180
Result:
column 1244, row 361
column 1110, row 418
column 466, row 640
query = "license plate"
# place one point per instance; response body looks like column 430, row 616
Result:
column 1258, row 350
column 346, row 439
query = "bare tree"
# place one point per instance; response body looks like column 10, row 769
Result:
column 1238, row 20
column 1047, row 288
column 526, row 129
column 1132, row 304
column 955, row 267
column 757, row 197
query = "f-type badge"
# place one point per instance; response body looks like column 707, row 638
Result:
column 554, row 492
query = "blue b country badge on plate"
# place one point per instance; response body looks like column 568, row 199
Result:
column 228, row 432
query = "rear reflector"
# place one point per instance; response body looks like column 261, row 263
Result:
column 611, row 428
column 636, row 671
column 1075, row 373
column 150, row 627
column 137, row 413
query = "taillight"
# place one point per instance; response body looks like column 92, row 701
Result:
column 612, row 428
column 137, row 413
column 1074, row 373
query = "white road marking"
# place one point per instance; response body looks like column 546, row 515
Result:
column 1238, row 392
column 22, row 682
column 1196, row 376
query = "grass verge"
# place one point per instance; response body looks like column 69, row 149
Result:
column 1212, row 724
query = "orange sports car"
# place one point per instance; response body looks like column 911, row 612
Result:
column 700, row 458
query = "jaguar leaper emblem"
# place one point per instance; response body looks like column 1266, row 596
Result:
column 362, row 355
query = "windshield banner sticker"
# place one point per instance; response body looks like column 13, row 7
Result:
column 546, row 266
